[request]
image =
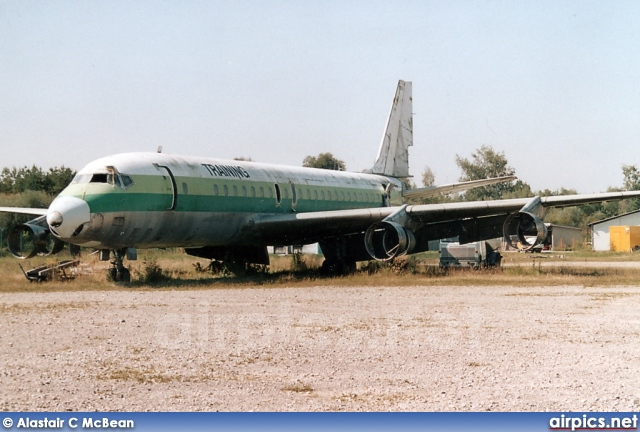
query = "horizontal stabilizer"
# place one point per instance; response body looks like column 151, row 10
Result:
column 428, row 192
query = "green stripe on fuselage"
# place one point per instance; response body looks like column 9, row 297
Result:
column 154, row 193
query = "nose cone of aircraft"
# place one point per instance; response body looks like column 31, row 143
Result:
column 67, row 215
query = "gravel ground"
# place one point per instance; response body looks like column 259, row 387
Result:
column 317, row 348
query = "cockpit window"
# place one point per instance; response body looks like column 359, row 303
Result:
column 101, row 178
column 111, row 177
column 81, row 178
column 126, row 180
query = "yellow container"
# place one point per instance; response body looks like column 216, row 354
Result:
column 624, row 238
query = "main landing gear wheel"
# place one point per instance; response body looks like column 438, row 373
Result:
column 338, row 267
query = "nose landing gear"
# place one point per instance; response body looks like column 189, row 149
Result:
column 118, row 272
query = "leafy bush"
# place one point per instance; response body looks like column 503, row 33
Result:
column 298, row 262
column 152, row 272
column 402, row 265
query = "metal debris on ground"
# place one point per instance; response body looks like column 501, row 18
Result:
column 62, row 270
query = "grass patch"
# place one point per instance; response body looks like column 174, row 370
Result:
column 141, row 376
column 172, row 269
column 150, row 375
column 298, row 388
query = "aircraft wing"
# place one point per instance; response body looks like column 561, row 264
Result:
column 24, row 210
column 416, row 194
column 305, row 228
column 448, row 211
column 471, row 221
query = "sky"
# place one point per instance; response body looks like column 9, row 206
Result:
column 554, row 85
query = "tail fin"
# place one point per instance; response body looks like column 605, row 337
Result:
column 393, row 155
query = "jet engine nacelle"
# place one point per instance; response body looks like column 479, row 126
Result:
column 524, row 231
column 386, row 240
column 26, row 241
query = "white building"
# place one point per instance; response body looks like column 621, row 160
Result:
column 600, row 239
column 559, row 237
column 313, row 249
column 563, row 237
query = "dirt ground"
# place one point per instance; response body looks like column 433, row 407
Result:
column 417, row 348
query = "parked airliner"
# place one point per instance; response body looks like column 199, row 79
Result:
column 232, row 210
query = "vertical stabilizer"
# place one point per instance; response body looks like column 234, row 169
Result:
column 393, row 156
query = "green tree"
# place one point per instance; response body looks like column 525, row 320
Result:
column 59, row 178
column 33, row 179
column 18, row 180
column 428, row 177
column 631, row 182
column 631, row 177
column 520, row 190
column 324, row 161
column 486, row 163
column 31, row 199
column 7, row 179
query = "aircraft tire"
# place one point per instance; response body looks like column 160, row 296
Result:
column 123, row 275
column 113, row 274
column 338, row 267
column 119, row 275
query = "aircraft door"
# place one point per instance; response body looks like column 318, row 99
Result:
column 294, row 196
column 278, row 194
column 387, row 195
column 171, row 187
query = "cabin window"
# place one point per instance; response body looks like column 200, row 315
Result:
column 270, row 193
column 335, row 196
column 225, row 188
column 244, row 191
column 322, row 195
column 308, row 194
column 185, row 188
column 341, row 196
column 315, row 194
column 235, row 190
column 253, row 191
column 216, row 191
column 261, row 192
